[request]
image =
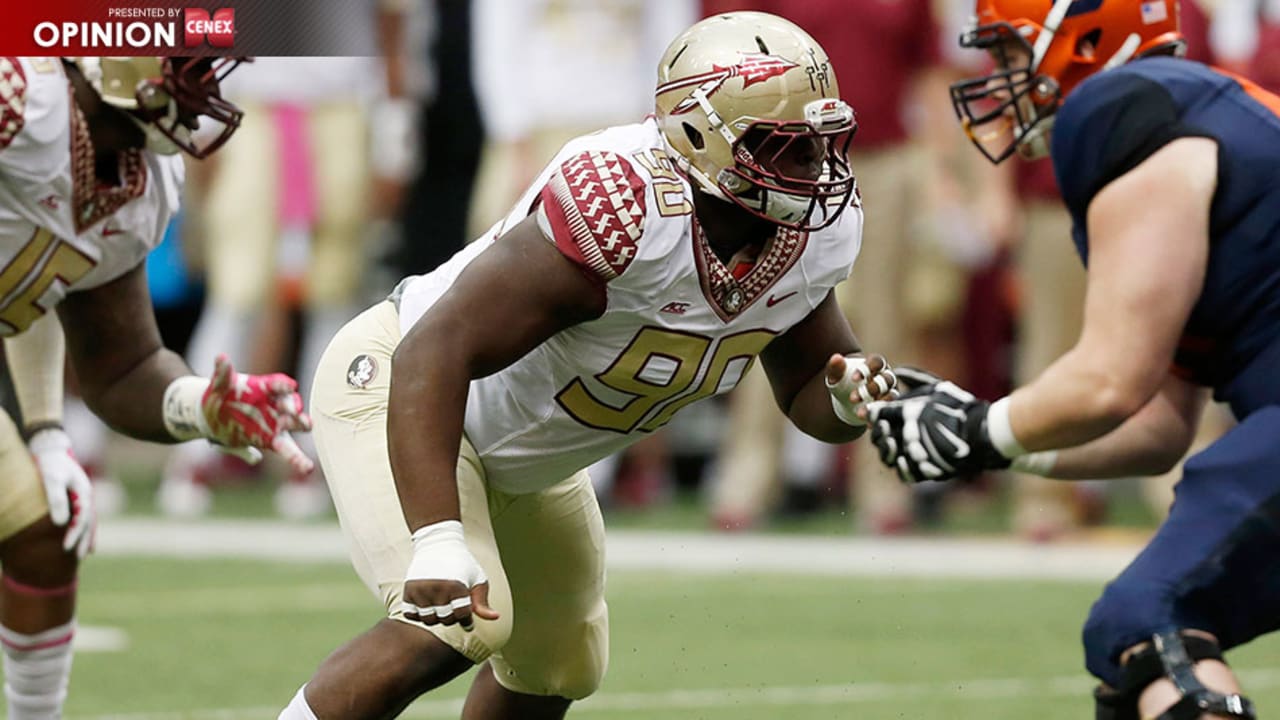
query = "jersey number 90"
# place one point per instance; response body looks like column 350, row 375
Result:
column 691, row 361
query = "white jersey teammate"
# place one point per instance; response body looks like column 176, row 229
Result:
column 89, row 180
column 645, row 269
column 78, row 234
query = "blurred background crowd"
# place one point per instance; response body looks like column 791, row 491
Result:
column 351, row 172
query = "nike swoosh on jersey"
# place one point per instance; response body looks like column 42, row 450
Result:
column 771, row 301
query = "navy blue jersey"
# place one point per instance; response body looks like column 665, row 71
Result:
column 1117, row 119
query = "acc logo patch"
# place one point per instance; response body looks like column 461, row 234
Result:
column 361, row 372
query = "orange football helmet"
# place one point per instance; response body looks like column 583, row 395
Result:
column 1042, row 50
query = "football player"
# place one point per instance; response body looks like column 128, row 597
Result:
column 1168, row 168
column 644, row 269
column 89, row 178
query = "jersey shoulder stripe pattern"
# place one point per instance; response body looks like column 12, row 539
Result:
column 595, row 205
column 13, row 99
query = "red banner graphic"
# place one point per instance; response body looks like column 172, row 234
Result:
column 188, row 27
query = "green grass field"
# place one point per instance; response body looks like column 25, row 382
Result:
column 222, row 639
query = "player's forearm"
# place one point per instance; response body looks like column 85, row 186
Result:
column 1136, row 448
column 424, row 429
column 36, row 359
column 1078, row 399
column 1150, row 442
column 1108, row 458
column 811, row 412
column 132, row 402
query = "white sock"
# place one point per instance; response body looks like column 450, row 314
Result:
column 36, row 671
column 298, row 709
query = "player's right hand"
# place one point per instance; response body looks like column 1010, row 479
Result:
column 444, row 584
column 245, row 413
column 67, row 488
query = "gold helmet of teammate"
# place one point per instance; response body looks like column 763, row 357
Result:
column 167, row 96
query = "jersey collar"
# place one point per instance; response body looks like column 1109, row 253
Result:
column 91, row 201
column 729, row 296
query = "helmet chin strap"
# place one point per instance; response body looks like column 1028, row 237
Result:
column 706, row 182
column 784, row 207
column 1034, row 144
column 701, row 179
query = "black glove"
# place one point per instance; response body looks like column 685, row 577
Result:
column 912, row 378
column 936, row 431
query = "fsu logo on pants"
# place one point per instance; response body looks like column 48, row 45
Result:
column 361, row 372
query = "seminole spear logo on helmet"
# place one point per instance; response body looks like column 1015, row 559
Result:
column 754, row 68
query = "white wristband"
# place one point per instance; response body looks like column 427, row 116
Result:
column 183, row 417
column 845, row 410
column 440, row 553
column 1000, row 431
column 1036, row 463
column 443, row 532
column 49, row 440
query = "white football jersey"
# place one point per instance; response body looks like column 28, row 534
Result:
column 61, row 230
column 679, row 326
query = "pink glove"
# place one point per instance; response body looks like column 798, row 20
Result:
column 242, row 413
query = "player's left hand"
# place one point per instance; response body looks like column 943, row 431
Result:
column 67, row 488
column 255, row 412
column 935, row 432
column 854, row 381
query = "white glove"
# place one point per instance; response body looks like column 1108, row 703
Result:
column 869, row 388
column 441, row 558
column 67, row 488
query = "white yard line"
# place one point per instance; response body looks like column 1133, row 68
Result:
column 980, row 689
column 949, row 558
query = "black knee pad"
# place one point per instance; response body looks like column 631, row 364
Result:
column 1171, row 655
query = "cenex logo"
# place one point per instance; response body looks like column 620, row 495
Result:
column 220, row 30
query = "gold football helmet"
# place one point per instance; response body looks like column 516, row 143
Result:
column 740, row 97
column 166, row 96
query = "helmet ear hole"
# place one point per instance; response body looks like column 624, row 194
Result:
column 695, row 137
column 1088, row 43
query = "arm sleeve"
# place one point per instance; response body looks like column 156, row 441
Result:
column 1107, row 131
column 593, row 209
column 36, row 359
